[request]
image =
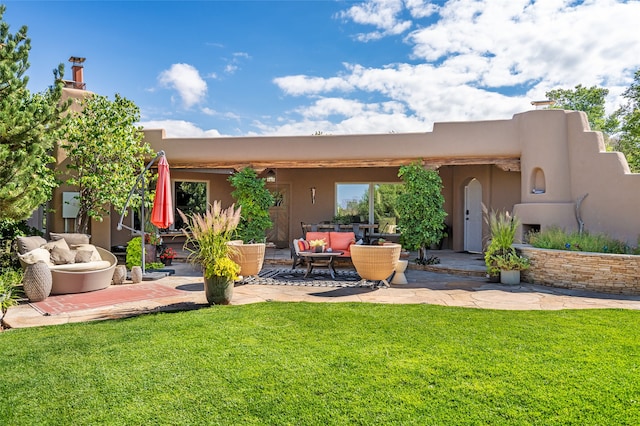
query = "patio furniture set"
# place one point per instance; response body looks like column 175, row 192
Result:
column 372, row 262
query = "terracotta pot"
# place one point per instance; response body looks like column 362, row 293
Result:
column 219, row 290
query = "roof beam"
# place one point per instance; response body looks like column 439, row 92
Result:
column 504, row 163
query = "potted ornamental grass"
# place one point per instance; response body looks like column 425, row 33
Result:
column 207, row 238
column 502, row 261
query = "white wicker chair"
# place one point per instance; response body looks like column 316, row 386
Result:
column 375, row 263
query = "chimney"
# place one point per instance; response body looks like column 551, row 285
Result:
column 77, row 71
column 546, row 104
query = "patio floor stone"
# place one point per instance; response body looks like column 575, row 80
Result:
column 459, row 283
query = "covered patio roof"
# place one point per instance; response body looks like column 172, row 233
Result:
column 450, row 144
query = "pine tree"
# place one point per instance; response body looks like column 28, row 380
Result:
column 28, row 129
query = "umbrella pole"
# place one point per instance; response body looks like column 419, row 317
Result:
column 142, row 232
column 140, row 180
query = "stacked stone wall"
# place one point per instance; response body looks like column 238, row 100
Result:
column 601, row 272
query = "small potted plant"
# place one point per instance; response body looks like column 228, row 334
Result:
column 151, row 242
column 510, row 264
column 167, row 255
column 317, row 245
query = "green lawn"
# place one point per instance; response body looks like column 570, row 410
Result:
column 308, row 364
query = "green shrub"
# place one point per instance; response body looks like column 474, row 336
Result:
column 555, row 238
column 10, row 279
column 9, row 230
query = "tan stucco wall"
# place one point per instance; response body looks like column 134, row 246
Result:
column 575, row 163
column 554, row 154
column 569, row 159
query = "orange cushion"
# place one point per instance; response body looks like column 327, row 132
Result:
column 342, row 240
column 303, row 245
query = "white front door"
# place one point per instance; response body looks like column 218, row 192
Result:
column 473, row 217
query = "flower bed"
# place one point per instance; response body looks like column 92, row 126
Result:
column 601, row 272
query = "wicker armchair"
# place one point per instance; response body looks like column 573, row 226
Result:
column 250, row 257
column 375, row 263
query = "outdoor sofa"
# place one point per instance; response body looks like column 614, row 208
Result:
column 76, row 265
column 334, row 241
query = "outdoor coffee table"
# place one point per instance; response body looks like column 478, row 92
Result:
column 324, row 259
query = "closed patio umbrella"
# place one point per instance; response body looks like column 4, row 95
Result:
column 162, row 212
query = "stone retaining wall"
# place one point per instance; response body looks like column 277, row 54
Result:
column 602, row 272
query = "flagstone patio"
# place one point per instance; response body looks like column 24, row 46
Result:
column 459, row 283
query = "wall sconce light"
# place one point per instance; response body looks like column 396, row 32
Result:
column 313, row 195
column 271, row 176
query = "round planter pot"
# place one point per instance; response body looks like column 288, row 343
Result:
column 151, row 253
column 250, row 257
column 136, row 274
column 37, row 281
column 167, row 262
column 510, row 277
column 219, row 290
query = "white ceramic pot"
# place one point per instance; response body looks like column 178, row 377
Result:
column 510, row 277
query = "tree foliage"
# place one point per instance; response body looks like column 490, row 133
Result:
column 420, row 208
column 621, row 129
column 29, row 125
column 106, row 154
column 591, row 100
column 629, row 140
column 255, row 199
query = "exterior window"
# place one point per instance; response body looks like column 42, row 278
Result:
column 352, row 201
column 369, row 203
column 190, row 197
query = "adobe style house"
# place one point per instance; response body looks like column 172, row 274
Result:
column 537, row 164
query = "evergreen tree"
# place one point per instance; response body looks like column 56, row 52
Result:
column 29, row 125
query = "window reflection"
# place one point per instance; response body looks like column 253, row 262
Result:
column 354, row 203
column 190, row 198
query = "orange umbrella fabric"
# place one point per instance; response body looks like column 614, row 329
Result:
column 162, row 212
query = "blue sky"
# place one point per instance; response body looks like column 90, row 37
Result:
column 234, row 68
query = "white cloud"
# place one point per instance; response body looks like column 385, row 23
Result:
column 179, row 129
column 186, row 80
column 421, row 8
column 382, row 14
column 235, row 61
column 479, row 60
column 302, row 84
column 214, row 113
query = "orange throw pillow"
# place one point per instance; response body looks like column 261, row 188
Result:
column 303, row 245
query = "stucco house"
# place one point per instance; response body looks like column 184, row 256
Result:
column 536, row 164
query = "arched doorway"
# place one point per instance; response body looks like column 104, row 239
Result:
column 473, row 216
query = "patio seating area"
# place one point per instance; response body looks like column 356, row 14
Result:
column 457, row 281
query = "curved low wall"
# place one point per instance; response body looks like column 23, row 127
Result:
column 602, row 272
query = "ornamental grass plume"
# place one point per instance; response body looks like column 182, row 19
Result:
column 207, row 237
